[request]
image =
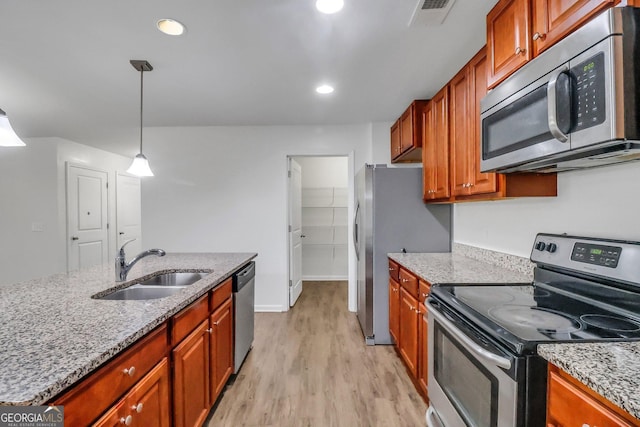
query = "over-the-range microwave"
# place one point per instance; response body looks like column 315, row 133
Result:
column 574, row 106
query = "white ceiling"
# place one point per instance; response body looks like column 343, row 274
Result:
column 65, row 63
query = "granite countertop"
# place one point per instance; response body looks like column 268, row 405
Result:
column 53, row 333
column 610, row 369
column 456, row 268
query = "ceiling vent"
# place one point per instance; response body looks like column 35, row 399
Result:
column 430, row 12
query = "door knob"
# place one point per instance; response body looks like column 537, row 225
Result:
column 121, row 233
column 75, row 238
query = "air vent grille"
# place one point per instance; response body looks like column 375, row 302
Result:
column 434, row 4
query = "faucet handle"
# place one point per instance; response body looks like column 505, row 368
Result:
column 125, row 244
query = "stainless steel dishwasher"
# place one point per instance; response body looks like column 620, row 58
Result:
column 243, row 305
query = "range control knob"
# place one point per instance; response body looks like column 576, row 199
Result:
column 552, row 247
column 541, row 246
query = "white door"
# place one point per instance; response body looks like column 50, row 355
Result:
column 295, row 231
column 128, row 213
column 87, row 217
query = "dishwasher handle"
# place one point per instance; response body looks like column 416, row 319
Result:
column 244, row 276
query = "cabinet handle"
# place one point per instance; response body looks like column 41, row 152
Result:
column 540, row 36
column 209, row 330
column 392, row 269
column 424, row 295
column 138, row 407
column 126, row 421
column 130, row 371
column 403, row 280
column 216, row 323
column 519, row 50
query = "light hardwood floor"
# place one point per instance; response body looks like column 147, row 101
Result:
column 310, row 367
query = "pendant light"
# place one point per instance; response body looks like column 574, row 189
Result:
column 8, row 137
column 140, row 165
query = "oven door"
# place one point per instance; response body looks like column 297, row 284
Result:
column 471, row 381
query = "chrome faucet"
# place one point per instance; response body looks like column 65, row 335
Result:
column 122, row 267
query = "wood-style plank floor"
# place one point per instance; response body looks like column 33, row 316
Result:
column 310, row 367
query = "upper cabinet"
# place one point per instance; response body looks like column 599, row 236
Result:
column 518, row 30
column 451, row 152
column 406, row 135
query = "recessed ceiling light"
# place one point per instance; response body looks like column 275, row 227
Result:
column 324, row 89
column 171, row 27
column 329, row 6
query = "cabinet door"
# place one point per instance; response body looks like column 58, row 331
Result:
column 221, row 348
column 406, row 129
column 423, row 355
column 409, row 330
column 440, row 107
column 191, row 378
column 394, row 310
column 554, row 19
column 462, row 152
column 146, row 405
column 395, row 140
column 428, row 153
column 481, row 183
column 508, row 41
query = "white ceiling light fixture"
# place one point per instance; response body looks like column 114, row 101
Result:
column 171, row 27
column 8, row 137
column 140, row 165
column 324, row 89
column 329, row 6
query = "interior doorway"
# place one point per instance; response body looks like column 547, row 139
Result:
column 319, row 214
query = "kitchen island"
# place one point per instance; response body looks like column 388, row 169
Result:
column 54, row 333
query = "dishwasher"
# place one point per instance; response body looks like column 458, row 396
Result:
column 243, row 306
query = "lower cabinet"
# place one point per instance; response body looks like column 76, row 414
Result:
column 408, row 323
column 571, row 403
column 221, row 348
column 147, row 404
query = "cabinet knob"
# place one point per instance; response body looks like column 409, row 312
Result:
column 126, row 421
column 216, row 323
column 404, row 280
column 138, row 407
column 392, row 269
column 130, row 371
column 424, row 295
column 539, row 36
column 519, row 50
column 209, row 330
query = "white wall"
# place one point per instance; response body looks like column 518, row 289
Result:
column 32, row 190
column 600, row 202
column 225, row 189
column 319, row 172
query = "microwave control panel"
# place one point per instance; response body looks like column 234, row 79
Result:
column 589, row 101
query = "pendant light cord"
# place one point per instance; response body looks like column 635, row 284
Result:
column 141, row 92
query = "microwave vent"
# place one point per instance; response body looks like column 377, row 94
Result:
column 430, row 12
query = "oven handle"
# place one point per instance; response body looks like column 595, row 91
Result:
column 552, row 106
column 500, row 361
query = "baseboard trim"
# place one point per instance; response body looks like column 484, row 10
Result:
column 269, row 308
column 324, row 278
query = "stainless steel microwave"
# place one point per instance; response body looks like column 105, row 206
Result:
column 576, row 105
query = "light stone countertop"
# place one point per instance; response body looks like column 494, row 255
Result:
column 456, row 268
column 53, row 333
column 610, row 369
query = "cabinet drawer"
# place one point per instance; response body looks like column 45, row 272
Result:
column 220, row 294
column 424, row 288
column 94, row 395
column 187, row 320
column 394, row 271
column 147, row 404
column 409, row 282
column 568, row 405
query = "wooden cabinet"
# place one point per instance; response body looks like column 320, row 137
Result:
column 146, row 405
column 408, row 345
column 518, row 30
column 221, row 350
column 457, row 178
column 406, row 135
column 109, row 383
column 423, row 353
column 553, row 19
column 435, row 155
column 571, row 403
column 394, row 310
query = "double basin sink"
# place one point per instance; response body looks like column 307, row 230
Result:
column 160, row 286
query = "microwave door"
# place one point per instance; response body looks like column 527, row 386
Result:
column 533, row 123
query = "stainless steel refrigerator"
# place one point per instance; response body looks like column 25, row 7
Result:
column 390, row 216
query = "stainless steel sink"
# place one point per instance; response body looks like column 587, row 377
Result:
column 173, row 279
column 160, row 286
column 139, row 292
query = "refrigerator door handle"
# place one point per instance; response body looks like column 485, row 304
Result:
column 356, row 243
